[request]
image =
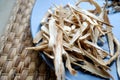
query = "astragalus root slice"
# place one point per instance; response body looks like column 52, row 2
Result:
column 71, row 34
column 109, row 35
column 58, row 48
column 118, row 65
column 52, row 32
column 98, row 8
column 40, row 48
column 95, row 70
column 69, row 65
column 80, row 10
column 116, row 53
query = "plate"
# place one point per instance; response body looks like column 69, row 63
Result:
column 39, row 9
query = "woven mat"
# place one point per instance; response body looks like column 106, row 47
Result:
column 17, row 63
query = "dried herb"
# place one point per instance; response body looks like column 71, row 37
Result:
column 73, row 33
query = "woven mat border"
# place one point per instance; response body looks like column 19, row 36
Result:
column 17, row 63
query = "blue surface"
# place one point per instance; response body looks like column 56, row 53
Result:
column 41, row 6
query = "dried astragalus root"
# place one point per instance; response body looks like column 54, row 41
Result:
column 71, row 34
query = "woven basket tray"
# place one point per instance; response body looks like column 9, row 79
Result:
column 17, row 63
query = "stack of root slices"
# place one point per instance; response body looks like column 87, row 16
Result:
column 69, row 36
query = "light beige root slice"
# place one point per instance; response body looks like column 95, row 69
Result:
column 109, row 35
column 94, row 70
column 40, row 48
column 68, row 65
column 117, row 53
column 58, row 49
column 52, row 32
column 118, row 65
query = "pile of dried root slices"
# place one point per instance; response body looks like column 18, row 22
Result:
column 71, row 34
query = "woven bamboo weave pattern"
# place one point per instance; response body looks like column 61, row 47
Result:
column 17, row 63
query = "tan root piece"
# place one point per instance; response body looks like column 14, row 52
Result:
column 71, row 34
